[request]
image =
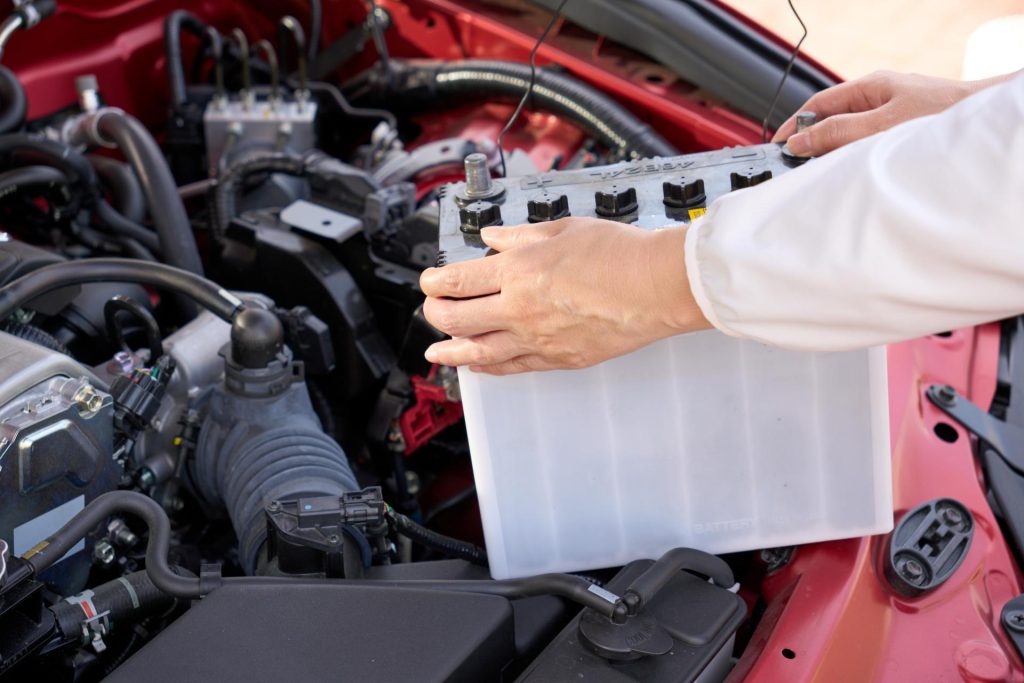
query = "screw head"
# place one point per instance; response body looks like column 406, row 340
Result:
column 1015, row 620
column 946, row 395
column 274, row 506
column 951, row 516
column 912, row 570
column 334, row 539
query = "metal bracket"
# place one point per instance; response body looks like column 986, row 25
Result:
column 1006, row 440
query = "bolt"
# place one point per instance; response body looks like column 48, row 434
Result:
column 1015, row 620
column 946, row 395
column 333, row 539
column 951, row 516
column 478, row 176
column 274, row 506
column 146, row 478
column 805, row 120
column 912, row 571
column 412, row 482
column 125, row 362
column 87, row 399
column 103, row 553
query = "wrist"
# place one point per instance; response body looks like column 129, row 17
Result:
column 674, row 302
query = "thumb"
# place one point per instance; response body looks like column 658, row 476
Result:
column 836, row 131
column 512, row 237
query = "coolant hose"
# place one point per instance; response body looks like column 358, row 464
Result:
column 13, row 103
column 70, row 162
column 17, row 179
column 124, row 186
column 131, row 597
column 210, row 295
column 42, row 556
column 172, row 48
column 177, row 243
column 434, row 82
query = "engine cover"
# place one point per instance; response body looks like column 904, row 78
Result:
column 56, row 445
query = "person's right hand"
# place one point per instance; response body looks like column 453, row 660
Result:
column 856, row 109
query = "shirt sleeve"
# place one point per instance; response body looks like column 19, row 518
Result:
column 916, row 230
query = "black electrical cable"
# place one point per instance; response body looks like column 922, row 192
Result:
column 13, row 102
column 177, row 243
column 315, row 27
column 123, row 304
column 452, row 547
column 57, row 275
column 349, row 109
column 785, row 73
column 149, row 511
column 378, row 40
column 533, row 80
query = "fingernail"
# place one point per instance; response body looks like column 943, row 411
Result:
column 799, row 144
column 430, row 354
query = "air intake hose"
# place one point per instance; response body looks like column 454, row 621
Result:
column 419, row 83
column 261, row 440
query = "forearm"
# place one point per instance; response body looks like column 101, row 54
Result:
column 909, row 232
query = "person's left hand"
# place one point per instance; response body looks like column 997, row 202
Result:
column 565, row 294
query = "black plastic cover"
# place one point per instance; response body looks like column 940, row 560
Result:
column 279, row 631
column 701, row 619
column 928, row 545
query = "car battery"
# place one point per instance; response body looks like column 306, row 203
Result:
column 701, row 440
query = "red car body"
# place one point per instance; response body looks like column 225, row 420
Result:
column 830, row 613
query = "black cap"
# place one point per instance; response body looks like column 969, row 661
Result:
column 547, row 207
column 479, row 215
column 749, row 178
column 615, row 201
column 684, row 192
column 257, row 336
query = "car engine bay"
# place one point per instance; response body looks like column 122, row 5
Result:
column 223, row 455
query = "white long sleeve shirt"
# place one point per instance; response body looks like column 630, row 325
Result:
column 912, row 231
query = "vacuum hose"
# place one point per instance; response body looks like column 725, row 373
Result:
column 434, row 82
column 13, row 103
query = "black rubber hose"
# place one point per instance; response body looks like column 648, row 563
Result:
column 13, row 103
column 120, row 502
column 177, row 243
column 131, row 597
column 123, row 304
column 225, row 193
column 434, row 82
column 452, row 547
column 74, row 165
column 56, row 275
column 35, row 335
column 113, row 219
column 172, row 49
column 124, row 186
column 672, row 562
column 567, row 586
column 17, row 179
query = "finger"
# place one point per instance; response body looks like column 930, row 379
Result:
column 514, row 366
column 460, row 280
column 485, row 349
column 845, row 98
column 503, row 239
column 465, row 317
column 836, row 131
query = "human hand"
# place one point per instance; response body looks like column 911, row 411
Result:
column 865, row 106
column 566, row 294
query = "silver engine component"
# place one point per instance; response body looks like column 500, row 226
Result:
column 56, row 450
